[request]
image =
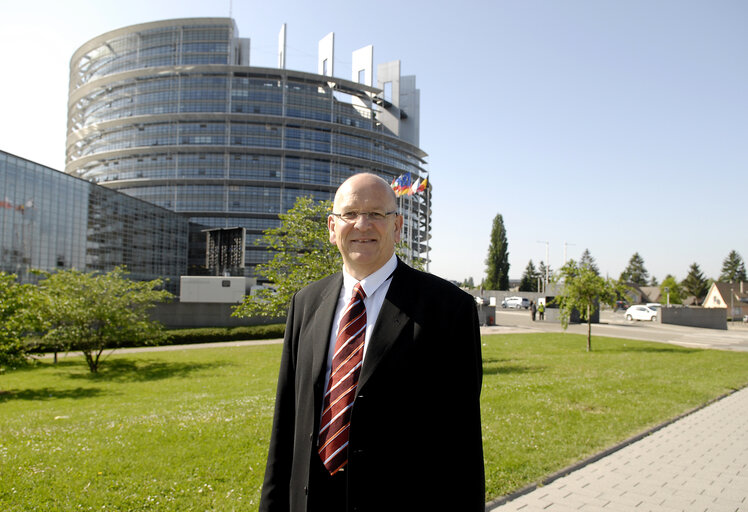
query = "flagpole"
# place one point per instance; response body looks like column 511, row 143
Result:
column 428, row 225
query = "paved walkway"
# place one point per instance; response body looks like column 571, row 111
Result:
column 697, row 463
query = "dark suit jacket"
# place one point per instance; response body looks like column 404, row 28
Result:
column 415, row 440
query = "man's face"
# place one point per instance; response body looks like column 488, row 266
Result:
column 364, row 242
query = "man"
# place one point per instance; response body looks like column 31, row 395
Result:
column 380, row 411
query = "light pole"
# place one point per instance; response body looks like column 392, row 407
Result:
column 565, row 244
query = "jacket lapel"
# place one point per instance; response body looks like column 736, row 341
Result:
column 322, row 327
column 390, row 323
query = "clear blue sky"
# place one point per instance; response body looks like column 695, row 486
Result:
column 618, row 126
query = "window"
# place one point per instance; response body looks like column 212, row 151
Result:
column 388, row 91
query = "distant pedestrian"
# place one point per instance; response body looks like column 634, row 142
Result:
column 533, row 310
column 541, row 311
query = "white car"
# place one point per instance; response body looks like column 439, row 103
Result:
column 515, row 303
column 641, row 313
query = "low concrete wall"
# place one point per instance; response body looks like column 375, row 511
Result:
column 181, row 315
column 709, row 318
column 554, row 315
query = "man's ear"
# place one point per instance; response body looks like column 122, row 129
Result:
column 399, row 219
column 331, row 229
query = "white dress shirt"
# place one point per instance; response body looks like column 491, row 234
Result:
column 375, row 287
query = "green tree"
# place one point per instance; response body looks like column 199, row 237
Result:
column 14, row 302
column 542, row 269
column 529, row 282
column 588, row 261
column 497, row 262
column 94, row 312
column 674, row 290
column 733, row 269
column 468, row 283
column 635, row 271
column 302, row 254
column 582, row 290
column 695, row 283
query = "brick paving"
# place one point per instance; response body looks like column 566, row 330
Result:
column 697, row 463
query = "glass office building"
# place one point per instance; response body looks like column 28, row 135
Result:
column 171, row 112
column 51, row 221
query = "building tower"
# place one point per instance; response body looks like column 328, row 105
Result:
column 171, row 112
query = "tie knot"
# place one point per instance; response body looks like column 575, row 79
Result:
column 358, row 292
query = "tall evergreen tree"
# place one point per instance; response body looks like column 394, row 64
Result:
column 635, row 271
column 695, row 283
column 529, row 281
column 542, row 268
column 733, row 268
column 497, row 262
column 588, row 261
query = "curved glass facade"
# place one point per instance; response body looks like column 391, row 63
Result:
column 167, row 113
column 50, row 221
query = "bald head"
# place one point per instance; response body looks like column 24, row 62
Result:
column 365, row 181
column 366, row 240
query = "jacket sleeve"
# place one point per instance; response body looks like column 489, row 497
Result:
column 275, row 488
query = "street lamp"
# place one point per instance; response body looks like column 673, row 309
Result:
column 565, row 245
column 667, row 290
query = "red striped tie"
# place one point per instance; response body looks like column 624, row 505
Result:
column 344, row 372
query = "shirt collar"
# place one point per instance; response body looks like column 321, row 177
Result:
column 372, row 282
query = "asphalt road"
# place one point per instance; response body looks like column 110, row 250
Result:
column 614, row 325
column 518, row 321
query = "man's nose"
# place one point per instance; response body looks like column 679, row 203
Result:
column 362, row 221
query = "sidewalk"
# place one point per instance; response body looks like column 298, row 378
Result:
column 697, row 463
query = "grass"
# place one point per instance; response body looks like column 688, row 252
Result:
column 188, row 430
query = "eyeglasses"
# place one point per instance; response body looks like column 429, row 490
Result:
column 352, row 216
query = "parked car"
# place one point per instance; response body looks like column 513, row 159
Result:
column 641, row 313
column 515, row 302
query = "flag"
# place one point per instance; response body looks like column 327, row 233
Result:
column 414, row 188
column 422, row 187
column 23, row 207
column 6, row 204
column 401, row 184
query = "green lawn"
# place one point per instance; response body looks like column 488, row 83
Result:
column 188, row 430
